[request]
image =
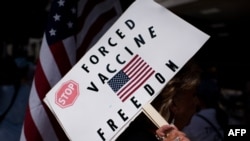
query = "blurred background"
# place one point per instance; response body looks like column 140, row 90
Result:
column 225, row 54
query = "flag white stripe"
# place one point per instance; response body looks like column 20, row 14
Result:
column 139, row 83
column 137, row 72
column 137, row 69
column 81, row 5
column 134, row 67
column 95, row 14
column 70, row 43
column 100, row 33
column 134, row 81
column 37, row 112
column 22, row 137
column 47, row 60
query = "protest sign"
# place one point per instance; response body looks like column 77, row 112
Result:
column 127, row 68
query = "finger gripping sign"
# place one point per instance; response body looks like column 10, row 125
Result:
column 126, row 69
column 67, row 94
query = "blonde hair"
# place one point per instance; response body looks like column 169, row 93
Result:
column 187, row 79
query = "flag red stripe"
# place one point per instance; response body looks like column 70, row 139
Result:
column 136, row 66
column 131, row 67
column 86, row 10
column 42, row 87
column 31, row 135
column 57, row 127
column 41, row 83
column 137, row 76
column 135, row 88
column 131, row 61
column 139, row 68
column 61, row 57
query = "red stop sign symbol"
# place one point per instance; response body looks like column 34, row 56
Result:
column 67, row 94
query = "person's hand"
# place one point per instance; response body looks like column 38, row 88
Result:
column 170, row 133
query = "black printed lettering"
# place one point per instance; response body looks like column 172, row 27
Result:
column 94, row 59
column 84, row 67
column 172, row 65
column 151, row 32
column 103, row 51
column 139, row 40
column 110, row 70
column 135, row 102
column 122, row 115
column 93, row 87
column 160, row 78
column 110, row 43
column 120, row 34
column 119, row 60
column 102, row 77
column 129, row 51
column 130, row 24
column 149, row 89
column 101, row 134
column 112, row 125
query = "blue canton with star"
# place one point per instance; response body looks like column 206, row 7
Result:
column 119, row 80
column 62, row 20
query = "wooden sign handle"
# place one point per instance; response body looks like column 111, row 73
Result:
column 154, row 115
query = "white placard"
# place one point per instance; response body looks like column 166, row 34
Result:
column 124, row 70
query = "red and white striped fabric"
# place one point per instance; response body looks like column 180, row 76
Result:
column 73, row 27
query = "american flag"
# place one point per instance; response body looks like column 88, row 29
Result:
column 130, row 78
column 73, row 27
